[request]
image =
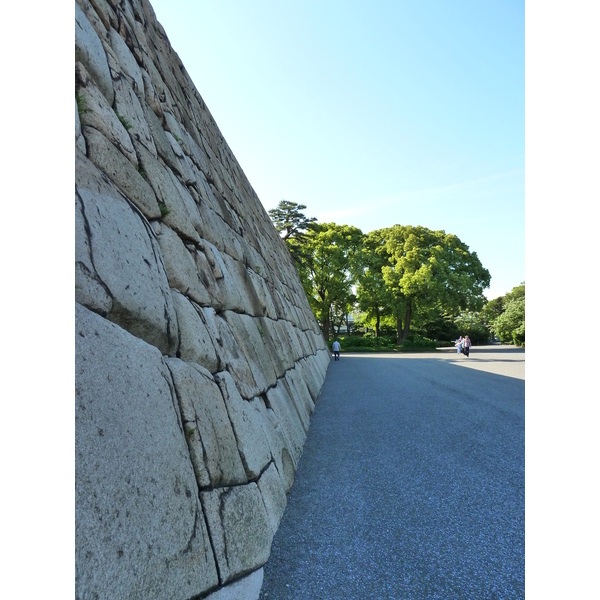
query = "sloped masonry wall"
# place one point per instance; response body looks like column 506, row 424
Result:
column 198, row 360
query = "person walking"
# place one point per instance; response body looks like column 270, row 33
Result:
column 459, row 344
column 466, row 345
column 336, row 350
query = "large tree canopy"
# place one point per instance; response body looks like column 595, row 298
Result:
column 430, row 269
column 328, row 265
column 375, row 299
column 401, row 272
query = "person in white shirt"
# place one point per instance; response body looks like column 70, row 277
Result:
column 459, row 344
column 336, row 350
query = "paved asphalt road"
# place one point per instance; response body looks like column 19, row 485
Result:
column 412, row 482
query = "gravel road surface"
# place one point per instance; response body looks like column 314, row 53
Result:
column 411, row 485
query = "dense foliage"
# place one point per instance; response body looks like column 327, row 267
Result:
column 430, row 273
column 508, row 316
column 328, row 269
column 384, row 343
column 412, row 285
column 289, row 220
column 292, row 225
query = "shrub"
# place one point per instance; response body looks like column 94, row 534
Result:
column 366, row 342
column 478, row 334
column 370, row 343
column 417, row 341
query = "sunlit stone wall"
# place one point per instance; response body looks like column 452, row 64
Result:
column 198, row 359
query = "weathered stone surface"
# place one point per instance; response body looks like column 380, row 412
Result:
column 303, row 340
column 89, row 51
column 208, row 430
column 182, row 166
column 163, row 146
column 287, row 420
column 94, row 18
column 105, row 12
column 151, row 97
column 175, row 129
column 124, row 250
column 129, row 110
column 195, row 343
column 98, row 113
column 293, row 344
column 198, row 358
column 277, row 345
column 272, row 489
column 250, row 338
column 214, row 230
column 180, row 266
column 247, row 424
column 198, row 158
column 79, row 139
column 311, row 374
column 240, row 529
column 321, row 361
column 215, row 259
column 222, row 207
column 300, row 395
column 230, row 354
column 90, row 290
column 123, row 173
column 133, row 473
column 278, row 443
column 262, row 303
column 126, row 60
column 206, row 273
column 183, row 215
column 233, row 285
column 247, row 588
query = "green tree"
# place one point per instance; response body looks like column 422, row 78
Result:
column 375, row 299
column 290, row 221
column 472, row 323
column 328, row 266
column 509, row 326
column 437, row 324
column 430, row 270
column 516, row 293
column 491, row 310
column 340, row 311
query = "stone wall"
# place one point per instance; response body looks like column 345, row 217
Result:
column 198, row 360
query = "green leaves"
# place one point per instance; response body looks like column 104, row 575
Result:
column 426, row 269
column 509, row 325
column 328, row 268
column 289, row 219
column 402, row 272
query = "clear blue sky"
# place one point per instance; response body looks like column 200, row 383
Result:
column 372, row 114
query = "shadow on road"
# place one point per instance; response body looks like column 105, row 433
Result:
column 488, row 349
column 500, row 360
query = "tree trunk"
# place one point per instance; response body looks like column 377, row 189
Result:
column 327, row 325
column 398, row 329
column 377, row 324
column 407, row 317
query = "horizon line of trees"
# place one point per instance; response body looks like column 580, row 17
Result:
column 401, row 280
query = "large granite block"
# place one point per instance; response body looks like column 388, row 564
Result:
column 140, row 529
